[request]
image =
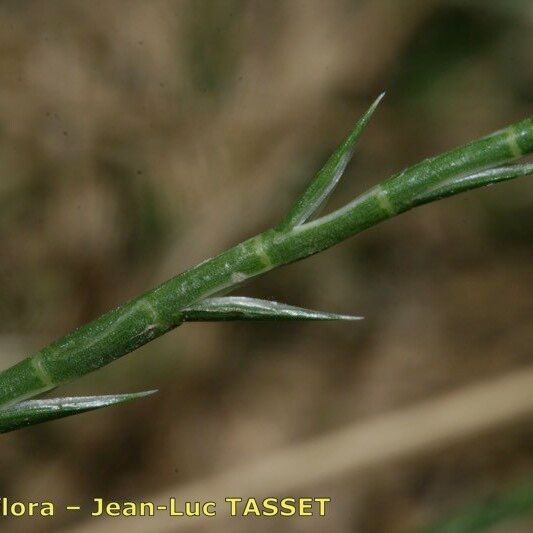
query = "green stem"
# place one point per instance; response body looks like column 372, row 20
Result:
column 156, row 312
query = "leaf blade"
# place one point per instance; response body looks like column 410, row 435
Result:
column 231, row 308
column 481, row 178
column 31, row 412
column 325, row 181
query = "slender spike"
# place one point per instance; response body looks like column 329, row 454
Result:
column 242, row 308
column 466, row 182
column 327, row 178
column 33, row 412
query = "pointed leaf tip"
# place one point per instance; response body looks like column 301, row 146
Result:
column 232, row 308
column 328, row 177
column 31, row 412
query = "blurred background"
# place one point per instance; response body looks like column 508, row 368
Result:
column 138, row 138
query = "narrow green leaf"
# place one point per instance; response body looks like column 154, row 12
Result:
column 242, row 308
column 33, row 412
column 466, row 182
column 327, row 178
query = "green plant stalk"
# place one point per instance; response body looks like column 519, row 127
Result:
column 158, row 311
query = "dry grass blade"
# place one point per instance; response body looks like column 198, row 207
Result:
column 469, row 412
